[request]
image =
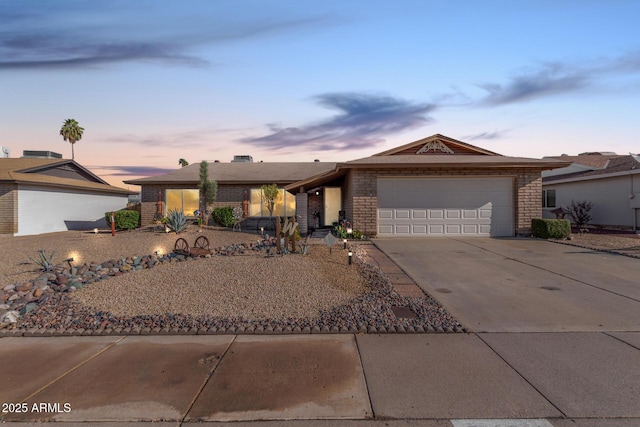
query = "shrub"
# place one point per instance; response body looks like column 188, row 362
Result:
column 176, row 221
column 224, row 216
column 580, row 212
column 44, row 261
column 125, row 220
column 551, row 228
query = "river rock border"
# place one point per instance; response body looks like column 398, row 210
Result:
column 368, row 313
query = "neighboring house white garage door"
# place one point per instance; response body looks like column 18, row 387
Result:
column 445, row 206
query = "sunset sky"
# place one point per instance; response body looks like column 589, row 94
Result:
column 154, row 81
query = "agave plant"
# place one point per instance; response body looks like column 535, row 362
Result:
column 45, row 262
column 176, row 221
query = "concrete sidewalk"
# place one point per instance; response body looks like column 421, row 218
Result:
column 506, row 379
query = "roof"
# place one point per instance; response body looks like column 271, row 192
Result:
column 594, row 160
column 32, row 171
column 614, row 165
column 241, row 173
column 430, row 153
column 449, row 160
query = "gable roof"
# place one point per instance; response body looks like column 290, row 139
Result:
column 413, row 155
column 54, row 173
column 241, row 173
column 437, row 145
column 610, row 165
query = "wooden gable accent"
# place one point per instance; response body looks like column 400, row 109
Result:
column 437, row 145
column 66, row 169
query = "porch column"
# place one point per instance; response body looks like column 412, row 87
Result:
column 302, row 209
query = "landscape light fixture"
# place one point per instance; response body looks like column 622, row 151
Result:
column 69, row 261
column 95, row 231
column 262, row 231
column 350, row 256
column 345, row 243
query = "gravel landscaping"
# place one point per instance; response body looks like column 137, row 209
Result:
column 249, row 291
column 614, row 241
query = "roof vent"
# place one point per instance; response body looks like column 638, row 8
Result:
column 317, row 161
column 5, row 152
column 31, row 154
column 244, row 158
column 216, row 161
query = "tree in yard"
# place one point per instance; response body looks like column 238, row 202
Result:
column 72, row 132
column 270, row 194
column 581, row 212
column 183, row 163
column 208, row 190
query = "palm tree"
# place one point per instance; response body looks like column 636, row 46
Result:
column 183, row 162
column 72, row 132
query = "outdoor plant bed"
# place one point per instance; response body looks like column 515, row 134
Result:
column 625, row 242
column 356, row 298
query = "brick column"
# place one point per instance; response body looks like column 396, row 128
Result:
column 302, row 211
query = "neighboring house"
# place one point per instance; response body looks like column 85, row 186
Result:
column 608, row 180
column 436, row 186
column 46, row 195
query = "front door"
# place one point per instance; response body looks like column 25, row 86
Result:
column 332, row 205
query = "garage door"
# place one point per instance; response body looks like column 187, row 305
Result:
column 445, row 206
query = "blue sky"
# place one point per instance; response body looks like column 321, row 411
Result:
column 154, row 81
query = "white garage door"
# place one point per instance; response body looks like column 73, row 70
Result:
column 445, row 206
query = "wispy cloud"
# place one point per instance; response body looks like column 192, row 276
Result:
column 556, row 78
column 46, row 41
column 551, row 79
column 363, row 121
column 496, row 134
column 132, row 170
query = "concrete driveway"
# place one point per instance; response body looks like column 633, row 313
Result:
column 523, row 285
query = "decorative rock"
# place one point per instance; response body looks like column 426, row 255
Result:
column 28, row 308
column 10, row 317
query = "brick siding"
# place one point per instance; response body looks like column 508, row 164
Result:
column 8, row 209
column 360, row 192
column 228, row 195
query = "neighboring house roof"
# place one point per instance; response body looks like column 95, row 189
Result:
column 430, row 152
column 55, row 173
column 241, row 173
column 608, row 165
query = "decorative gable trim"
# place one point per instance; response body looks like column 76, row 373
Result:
column 435, row 145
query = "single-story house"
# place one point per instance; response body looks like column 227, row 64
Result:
column 44, row 195
column 610, row 181
column 432, row 187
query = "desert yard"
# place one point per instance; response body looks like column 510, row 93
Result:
column 250, row 290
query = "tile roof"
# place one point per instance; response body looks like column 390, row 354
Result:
column 614, row 164
column 598, row 161
column 242, row 172
column 25, row 171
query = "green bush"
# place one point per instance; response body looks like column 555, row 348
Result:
column 551, row 228
column 223, row 216
column 125, row 220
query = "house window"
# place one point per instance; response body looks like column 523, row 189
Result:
column 185, row 200
column 549, row 198
column 285, row 204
